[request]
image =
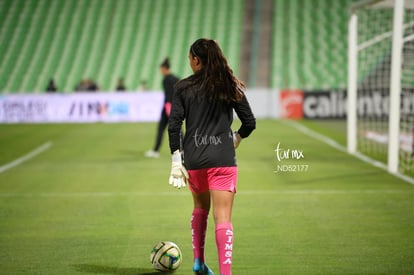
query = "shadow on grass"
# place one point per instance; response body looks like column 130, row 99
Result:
column 101, row 269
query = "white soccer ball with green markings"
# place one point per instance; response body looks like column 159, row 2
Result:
column 166, row 256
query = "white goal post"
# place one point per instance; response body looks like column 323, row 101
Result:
column 382, row 50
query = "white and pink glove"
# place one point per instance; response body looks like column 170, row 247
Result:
column 179, row 175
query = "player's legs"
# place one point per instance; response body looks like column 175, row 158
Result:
column 198, row 231
column 222, row 209
column 201, row 198
column 162, row 125
column 222, row 206
column 222, row 189
column 222, row 185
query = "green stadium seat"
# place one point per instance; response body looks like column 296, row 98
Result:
column 315, row 34
column 107, row 39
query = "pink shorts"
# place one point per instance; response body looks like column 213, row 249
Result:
column 217, row 178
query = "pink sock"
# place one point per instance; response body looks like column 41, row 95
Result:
column 224, row 241
column 198, row 232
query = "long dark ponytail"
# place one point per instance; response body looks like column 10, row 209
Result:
column 216, row 79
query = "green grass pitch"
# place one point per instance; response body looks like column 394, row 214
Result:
column 93, row 204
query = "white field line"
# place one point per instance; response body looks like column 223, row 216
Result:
column 26, row 157
column 187, row 193
column 341, row 148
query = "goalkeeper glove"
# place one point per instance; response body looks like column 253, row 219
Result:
column 236, row 139
column 179, row 174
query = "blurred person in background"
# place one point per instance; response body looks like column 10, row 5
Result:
column 143, row 85
column 120, row 87
column 168, row 83
column 51, row 86
column 87, row 85
column 91, row 85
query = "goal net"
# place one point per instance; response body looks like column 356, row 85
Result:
column 381, row 83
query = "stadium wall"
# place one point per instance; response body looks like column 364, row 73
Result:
column 145, row 106
column 332, row 104
column 108, row 107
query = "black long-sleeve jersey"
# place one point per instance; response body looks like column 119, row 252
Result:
column 168, row 84
column 208, row 139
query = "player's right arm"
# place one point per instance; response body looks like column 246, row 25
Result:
column 175, row 121
column 178, row 175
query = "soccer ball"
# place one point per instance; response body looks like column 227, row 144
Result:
column 166, row 256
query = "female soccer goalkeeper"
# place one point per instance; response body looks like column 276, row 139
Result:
column 206, row 101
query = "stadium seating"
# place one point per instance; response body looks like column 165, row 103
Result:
column 310, row 44
column 107, row 39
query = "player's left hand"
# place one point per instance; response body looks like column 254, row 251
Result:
column 179, row 175
column 236, row 139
